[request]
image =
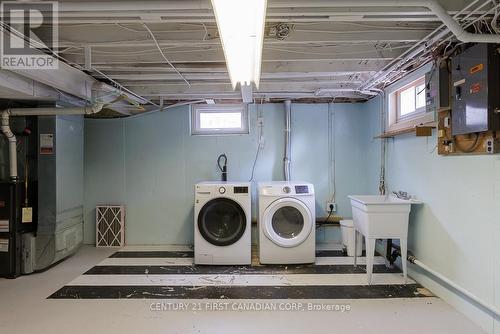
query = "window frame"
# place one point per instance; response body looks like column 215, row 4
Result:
column 394, row 120
column 417, row 111
column 197, row 109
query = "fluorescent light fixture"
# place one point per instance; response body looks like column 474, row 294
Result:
column 241, row 29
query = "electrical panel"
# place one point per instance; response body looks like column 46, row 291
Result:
column 472, row 124
column 437, row 91
column 475, row 86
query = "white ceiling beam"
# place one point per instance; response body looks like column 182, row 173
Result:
column 177, row 5
column 270, row 14
column 207, row 88
column 159, row 71
column 311, row 19
column 304, row 36
column 224, row 76
column 217, row 55
column 340, row 66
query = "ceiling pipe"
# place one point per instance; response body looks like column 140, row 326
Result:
column 11, row 138
column 288, row 144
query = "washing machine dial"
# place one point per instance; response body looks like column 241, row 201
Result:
column 222, row 190
column 287, row 190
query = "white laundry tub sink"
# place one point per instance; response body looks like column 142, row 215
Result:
column 381, row 217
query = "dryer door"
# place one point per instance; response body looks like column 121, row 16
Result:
column 287, row 222
column 222, row 221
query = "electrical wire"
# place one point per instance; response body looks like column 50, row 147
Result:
column 494, row 21
column 402, row 60
column 318, row 225
column 165, row 57
column 331, row 143
column 469, row 149
column 260, row 126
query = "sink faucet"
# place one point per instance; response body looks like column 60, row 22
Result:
column 401, row 195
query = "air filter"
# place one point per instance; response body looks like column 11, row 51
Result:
column 110, row 226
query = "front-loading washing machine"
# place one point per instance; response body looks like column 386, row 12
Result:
column 222, row 223
column 287, row 222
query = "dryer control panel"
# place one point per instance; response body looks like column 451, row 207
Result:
column 301, row 189
column 279, row 188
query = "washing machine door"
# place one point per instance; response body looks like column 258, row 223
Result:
column 222, row 221
column 287, row 222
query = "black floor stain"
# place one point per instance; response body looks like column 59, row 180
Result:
column 238, row 270
column 153, row 254
column 239, row 292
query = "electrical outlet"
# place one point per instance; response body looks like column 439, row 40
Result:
column 262, row 142
column 331, row 207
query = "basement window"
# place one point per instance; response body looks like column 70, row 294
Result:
column 411, row 99
column 219, row 119
column 406, row 102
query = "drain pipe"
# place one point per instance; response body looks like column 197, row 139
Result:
column 6, row 130
column 491, row 308
column 288, row 144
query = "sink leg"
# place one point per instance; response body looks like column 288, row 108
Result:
column 370, row 253
column 388, row 253
column 404, row 254
column 355, row 247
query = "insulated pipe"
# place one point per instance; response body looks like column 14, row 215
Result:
column 6, row 130
column 491, row 308
column 288, row 144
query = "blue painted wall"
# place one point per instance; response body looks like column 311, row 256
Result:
column 457, row 231
column 151, row 163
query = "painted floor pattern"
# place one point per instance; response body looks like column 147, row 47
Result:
column 169, row 273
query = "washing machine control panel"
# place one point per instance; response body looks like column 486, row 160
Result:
column 240, row 190
column 222, row 190
column 287, row 190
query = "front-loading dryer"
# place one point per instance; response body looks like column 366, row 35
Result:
column 222, row 223
column 287, row 221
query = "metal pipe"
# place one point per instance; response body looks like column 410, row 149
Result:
column 288, row 144
column 491, row 308
column 6, row 130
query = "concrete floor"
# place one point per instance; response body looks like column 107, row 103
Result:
column 25, row 309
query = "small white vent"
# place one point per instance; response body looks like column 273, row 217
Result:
column 110, row 226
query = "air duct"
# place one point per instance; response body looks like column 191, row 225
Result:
column 288, row 143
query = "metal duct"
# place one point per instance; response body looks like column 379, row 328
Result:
column 288, row 143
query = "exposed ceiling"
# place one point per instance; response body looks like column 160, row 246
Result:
column 313, row 50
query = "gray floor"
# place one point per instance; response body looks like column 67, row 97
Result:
column 25, row 309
